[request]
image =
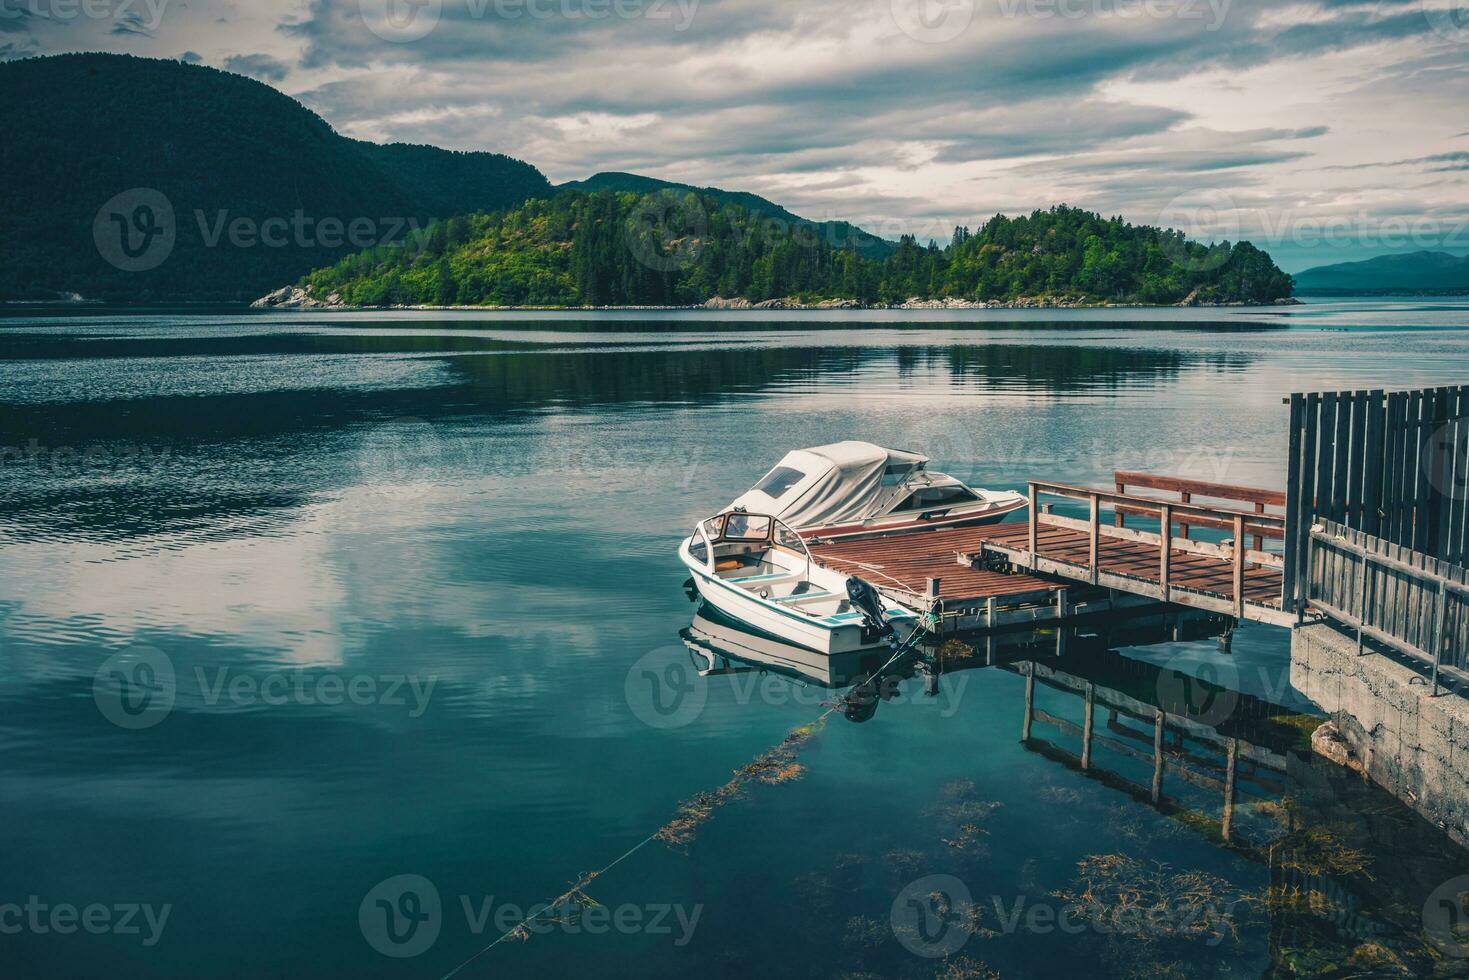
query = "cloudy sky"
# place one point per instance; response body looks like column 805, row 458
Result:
column 1323, row 130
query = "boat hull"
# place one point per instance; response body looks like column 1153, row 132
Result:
column 808, row 632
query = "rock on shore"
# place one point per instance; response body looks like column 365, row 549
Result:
column 296, row 298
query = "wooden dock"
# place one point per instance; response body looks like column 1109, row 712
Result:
column 971, row 596
column 1053, row 567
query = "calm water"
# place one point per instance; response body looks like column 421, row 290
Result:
column 403, row 588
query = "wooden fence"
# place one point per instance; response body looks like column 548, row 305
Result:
column 1393, row 465
column 1405, row 600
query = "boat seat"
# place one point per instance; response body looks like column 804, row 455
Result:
column 845, row 617
column 778, row 577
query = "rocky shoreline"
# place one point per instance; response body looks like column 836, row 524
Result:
column 298, row 298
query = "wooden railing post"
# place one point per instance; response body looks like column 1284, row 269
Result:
column 1440, row 631
column 1034, row 520
column 1121, row 517
column 1157, row 755
column 1029, row 701
column 1165, row 558
column 1086, row 728
column 1364, row 607
column 1096, row 541
column 1239, row 567
column 1187, row 498
column 1229, row 789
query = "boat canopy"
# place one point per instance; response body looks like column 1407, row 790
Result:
column 843, row 482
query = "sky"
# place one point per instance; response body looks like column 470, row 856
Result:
column 1323, row 131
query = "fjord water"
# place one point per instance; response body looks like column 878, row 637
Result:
column 414, row 578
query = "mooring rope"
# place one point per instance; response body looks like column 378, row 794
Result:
column 576, row 891
column 873, row 569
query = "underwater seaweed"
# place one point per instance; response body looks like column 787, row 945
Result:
column 776, row 766
column 964, row 968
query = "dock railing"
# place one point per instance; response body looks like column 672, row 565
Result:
column 1243, row 524
column 1413, row 604
column 1254, row 497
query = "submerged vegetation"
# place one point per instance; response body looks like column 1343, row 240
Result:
column 669, row 249
column 772, row 768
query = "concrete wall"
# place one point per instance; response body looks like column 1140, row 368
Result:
column 1414, row 745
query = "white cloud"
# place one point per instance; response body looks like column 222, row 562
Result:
column 830, row 107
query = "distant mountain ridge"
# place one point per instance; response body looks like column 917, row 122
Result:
column 145, row 180
column 837, row 234
column 202, row 149
column 1424, row 271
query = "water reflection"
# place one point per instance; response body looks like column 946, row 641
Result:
column 1348, row 868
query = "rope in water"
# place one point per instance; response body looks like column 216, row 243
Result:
column 577, row 889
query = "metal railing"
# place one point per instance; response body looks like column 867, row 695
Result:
column 1413, row 604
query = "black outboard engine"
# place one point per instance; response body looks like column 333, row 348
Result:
column 866, row 601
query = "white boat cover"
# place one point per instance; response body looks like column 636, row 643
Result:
column 846, row 482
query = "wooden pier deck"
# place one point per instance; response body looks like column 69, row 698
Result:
column 1052, row 567
column 972, row 596
column 1198, row 580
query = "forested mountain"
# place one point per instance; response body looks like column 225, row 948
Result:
column 839, row 234
column 218, row 148
column 667, row 248
column 1426, row 271
column 131, row 179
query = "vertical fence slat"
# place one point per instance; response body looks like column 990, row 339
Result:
column 1372, row 468
column 1342, row 451
column 1392, row 497
column 1420, row 405
column 1326, row 455
column 1459, row 536
column 1357, row 462
column 1290, row 590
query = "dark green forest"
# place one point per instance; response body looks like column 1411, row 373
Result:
column 668, row 248
column 838, row 234
column 78, row 130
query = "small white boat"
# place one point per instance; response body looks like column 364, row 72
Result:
column 754, row 569
column 857, row 489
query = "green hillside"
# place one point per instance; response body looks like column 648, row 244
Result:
column 840, row 234
column 81, row 129
column 611, row 248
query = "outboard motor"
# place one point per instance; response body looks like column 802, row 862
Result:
column 866, row 601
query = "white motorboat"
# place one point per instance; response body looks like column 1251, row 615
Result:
column 857, row 489
column 756, row 570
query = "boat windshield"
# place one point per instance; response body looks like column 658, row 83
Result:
column 746, row 527
column 790, row 540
